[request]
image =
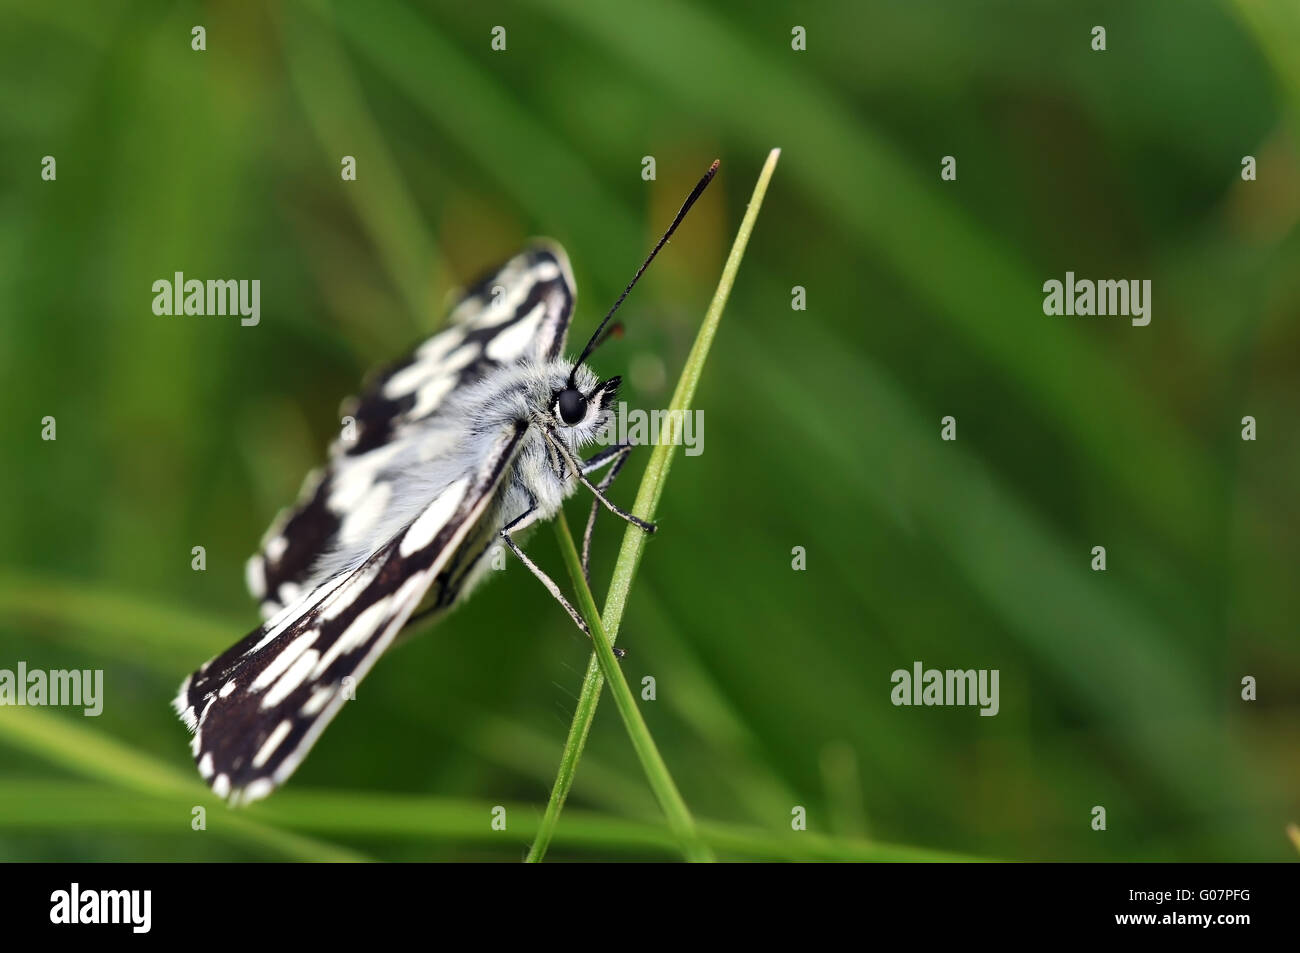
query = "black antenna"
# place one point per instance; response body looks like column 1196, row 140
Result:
column 681, row 214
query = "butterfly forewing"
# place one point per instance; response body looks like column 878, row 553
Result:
column 257, row 709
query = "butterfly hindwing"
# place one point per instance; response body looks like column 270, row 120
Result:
column 520, row 310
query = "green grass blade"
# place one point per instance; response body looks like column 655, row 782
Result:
column 96, row 755
column 63, row 806
column 656, row 771
column 647, row 502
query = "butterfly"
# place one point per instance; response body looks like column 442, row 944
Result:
column 471, row 440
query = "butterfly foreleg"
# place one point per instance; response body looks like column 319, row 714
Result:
column 614, row 457
column 602, row 458
column 558, row 446
column 523, row 522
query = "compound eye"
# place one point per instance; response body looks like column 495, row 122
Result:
column 573, row 405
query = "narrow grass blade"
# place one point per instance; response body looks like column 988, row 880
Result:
column 63, row 806
column 647, row 502
column 96, row 755
column 656, row 771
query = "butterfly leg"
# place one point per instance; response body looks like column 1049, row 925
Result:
column 522, row 522
column 603, row 457
column 558, row 447
column 614, row 457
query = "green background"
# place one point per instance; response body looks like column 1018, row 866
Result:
column 1119, row 689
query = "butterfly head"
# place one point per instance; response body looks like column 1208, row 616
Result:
column 582, row 402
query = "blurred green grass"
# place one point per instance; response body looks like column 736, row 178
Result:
column 821, row 426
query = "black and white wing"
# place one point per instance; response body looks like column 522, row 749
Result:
column 520, row 310
column 257, row 709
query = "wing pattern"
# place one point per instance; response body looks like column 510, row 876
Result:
column 257, row 709
column 520, row 310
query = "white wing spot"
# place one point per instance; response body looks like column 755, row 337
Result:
column 459, row 359
column 431, row 395
column 255, row 576
column 485, row 310
column 409, row 378
column 258, row 790
column 434, row 518
column 282, row 661
column 351, row 589
column 317, row 701
column 438, row 346
column 275, row 549
column 509, row 344
column 272, row 742
column 205, row 766
column 290, row 592
column 357, row 525
column 433, row 378
column 355, row 636
column 226, row 689
column 352, row 484
column 291, row 613
column 291, row 679
column 419, row 580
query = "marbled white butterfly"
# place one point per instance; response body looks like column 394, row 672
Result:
column 470, row 440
